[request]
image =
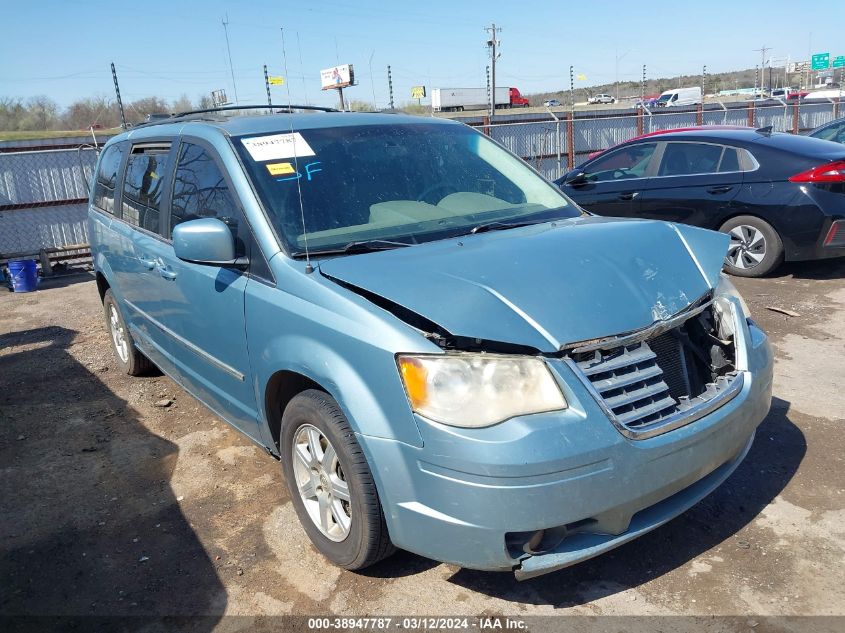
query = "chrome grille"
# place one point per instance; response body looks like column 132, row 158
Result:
column 630, row 382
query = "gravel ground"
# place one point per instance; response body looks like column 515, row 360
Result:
column 112, row 505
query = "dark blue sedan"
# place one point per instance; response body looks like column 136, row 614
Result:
column 780, row 197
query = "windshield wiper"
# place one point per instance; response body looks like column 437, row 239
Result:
column 502, row 226
column 362, row 246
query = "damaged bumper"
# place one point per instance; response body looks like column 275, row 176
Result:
column 545, row 491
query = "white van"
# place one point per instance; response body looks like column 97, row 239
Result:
column 679, row 97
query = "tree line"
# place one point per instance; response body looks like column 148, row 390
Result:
column 43, row 113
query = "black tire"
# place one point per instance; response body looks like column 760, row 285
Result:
column 367, row 541
column 134, row 363
column 745, row 264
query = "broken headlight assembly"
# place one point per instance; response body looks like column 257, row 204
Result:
column 478, row 390
column 725, row 289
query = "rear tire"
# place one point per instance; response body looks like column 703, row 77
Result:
column 755, row 249
column 330, row 483
column 129, row 359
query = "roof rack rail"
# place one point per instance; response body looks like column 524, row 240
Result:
column 286, row 106
column 283, row 108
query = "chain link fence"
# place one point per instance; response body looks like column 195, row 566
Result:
column 43, row 200
column 561, row 141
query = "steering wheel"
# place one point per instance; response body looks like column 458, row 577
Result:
column 446, row 187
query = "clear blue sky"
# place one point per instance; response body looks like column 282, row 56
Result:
column 63, row 48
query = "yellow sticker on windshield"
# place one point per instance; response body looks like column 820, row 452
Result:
column 280, row 169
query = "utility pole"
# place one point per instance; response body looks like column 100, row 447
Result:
column 117, row 93
column 489, row 100
column 493, row 45
column 390, row 86
column 616, row 77
column 572, row 88
column 304, row 91
column 267, row 86
column 642, row 88
column 229, row 51
column 762, row 50
column 372, row 80
column 703, row 82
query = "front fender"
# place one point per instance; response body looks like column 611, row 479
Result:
column 369, row 392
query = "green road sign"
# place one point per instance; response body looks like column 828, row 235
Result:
column 821, row 61
column 839, row 62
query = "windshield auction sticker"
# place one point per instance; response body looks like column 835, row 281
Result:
column 277, row 146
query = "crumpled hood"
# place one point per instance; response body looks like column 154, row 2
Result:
column 546, row 286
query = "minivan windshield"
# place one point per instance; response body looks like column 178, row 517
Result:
column 392, row 185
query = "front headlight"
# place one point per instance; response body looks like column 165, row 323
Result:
column 476, row 390
column 727, row 289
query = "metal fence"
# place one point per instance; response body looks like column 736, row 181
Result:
column 558, row 142
column 43, row 198
column 43, row 190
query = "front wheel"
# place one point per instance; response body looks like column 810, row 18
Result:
column 755, row 248
column 330, row 483
column 129, row 359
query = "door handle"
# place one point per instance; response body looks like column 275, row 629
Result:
column 165, row 272
column 148, row 263
column 720, row 189
column 628, row 195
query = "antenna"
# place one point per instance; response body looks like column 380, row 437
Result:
column 308, row 267
column 225, row 23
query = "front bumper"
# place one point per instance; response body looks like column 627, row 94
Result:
column 459, row 497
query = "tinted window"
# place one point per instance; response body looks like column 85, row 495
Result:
column 730, row 160
column 142, row 186
column 201, row 191
column 832, row 133
column 681, row 159
column 107, row 178
column 627, row 162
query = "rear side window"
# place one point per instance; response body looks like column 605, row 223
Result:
column 107, row 178
column 689, row 159
column 683, row 159
column 143, row 185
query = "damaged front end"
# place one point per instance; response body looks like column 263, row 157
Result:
column 667, row 375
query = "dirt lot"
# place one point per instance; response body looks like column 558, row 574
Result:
column 113, row 505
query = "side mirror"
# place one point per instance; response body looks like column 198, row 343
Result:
column 204, row 241
column 575, row 177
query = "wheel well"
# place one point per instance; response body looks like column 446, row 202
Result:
column 281, row 389
column 737, row 214
column 102, row 285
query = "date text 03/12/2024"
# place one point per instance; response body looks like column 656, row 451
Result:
column 486, row 623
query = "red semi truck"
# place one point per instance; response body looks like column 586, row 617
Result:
column 460, row 99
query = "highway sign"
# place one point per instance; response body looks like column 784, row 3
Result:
column 821, row 61
column 839, row 62
column 276, row 80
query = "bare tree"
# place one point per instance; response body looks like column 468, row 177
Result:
column 42, row 113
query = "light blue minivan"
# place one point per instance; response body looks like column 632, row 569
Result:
column 445, row 353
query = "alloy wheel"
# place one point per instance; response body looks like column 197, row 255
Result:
column 321, row 483
column 118, row 334
column 747, row 248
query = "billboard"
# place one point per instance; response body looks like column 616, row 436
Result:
column 797, row 67
column 337, row 77
column 417, row 92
